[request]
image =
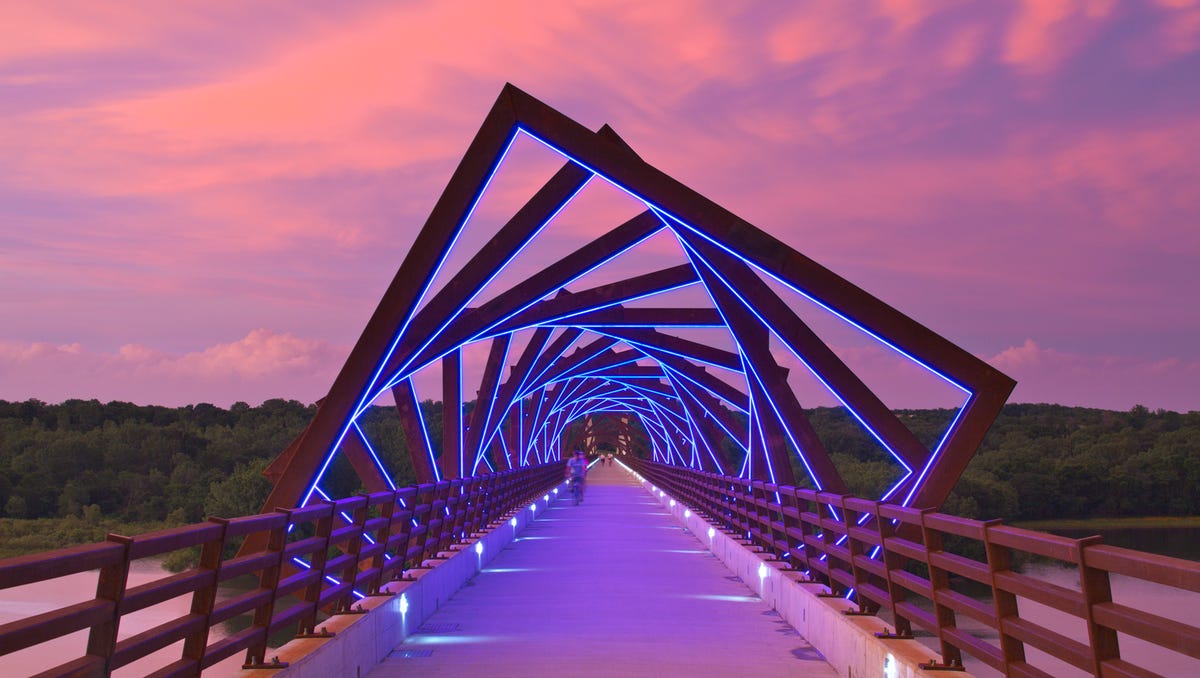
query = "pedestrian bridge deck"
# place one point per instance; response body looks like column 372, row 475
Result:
column 611, row 587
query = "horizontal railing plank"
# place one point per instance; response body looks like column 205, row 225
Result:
column 155, row 592
column 1052, row 643
column 37, row 567
column 1174, row 572
column 1168, row 633
column 23, row 633
column 139, row 645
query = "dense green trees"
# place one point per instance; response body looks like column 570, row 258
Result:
column 84, row 459
column 136, row 463
column 1045, row 461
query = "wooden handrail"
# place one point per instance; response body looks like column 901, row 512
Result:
column 817, row 542
column 372, row 539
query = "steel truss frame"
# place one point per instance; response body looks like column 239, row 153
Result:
column 591, row 356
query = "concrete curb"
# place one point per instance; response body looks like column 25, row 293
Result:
column 847, row 642
column 362, row 641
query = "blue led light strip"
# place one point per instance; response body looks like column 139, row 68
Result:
column 665, row 215
column 365, row 400
column 696, row 257
column 374, row 457
column 404, row 370
column 485, row 332
column 368, row 394
column 560, row 320
column 734, row 435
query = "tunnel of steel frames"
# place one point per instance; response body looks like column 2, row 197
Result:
column 594, row 367
column 624, row 371
column 599, row 364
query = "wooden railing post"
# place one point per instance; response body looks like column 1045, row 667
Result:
column 382, row 535
column 312, row 594
column 110, row 586
column 353, row 551
column 1096, row 590
column 203, row 599
column 825, row 518
column 793, row 536
column 806, row 499
column 851, row 517
column 399, row 529
column 939, row 581
column 999, row 559
column 268, row 579
column 892, row 562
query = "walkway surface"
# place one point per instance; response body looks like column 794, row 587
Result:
column 611, row 587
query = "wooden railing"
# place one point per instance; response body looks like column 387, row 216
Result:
column 912, row 563
column 318, row 559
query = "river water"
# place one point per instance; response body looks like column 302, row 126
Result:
column 1182, row 606
column 25, row 601
column 1177, row 542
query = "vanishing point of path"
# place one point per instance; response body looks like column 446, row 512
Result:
column 612, row 587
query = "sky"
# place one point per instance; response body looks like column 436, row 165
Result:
column 203, row 202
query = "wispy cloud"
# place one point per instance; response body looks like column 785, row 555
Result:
column 999, row 170
column 259, row 366
column 1104, row 381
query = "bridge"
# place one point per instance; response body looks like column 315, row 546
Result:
column 661, row 571
column 612, row 586
column 694, row 374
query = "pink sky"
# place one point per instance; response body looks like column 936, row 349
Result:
column 204, row 201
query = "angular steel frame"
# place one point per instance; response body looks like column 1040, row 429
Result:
column 589, row 355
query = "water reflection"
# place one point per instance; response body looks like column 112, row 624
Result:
column 1167, row 602
column 24, row 601
column 1177, row 542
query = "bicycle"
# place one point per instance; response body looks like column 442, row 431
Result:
column 577, row 489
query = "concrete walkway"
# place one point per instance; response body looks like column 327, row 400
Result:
column 612, row 587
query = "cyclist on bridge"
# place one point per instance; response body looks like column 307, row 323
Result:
column 577, row 469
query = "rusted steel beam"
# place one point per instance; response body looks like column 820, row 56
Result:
column 568, row 305
column 692, row 375
column 643, row 337
column 775, row 400
column 756, row 246
column 357, row 378
column 553, row 421
column 676, row 401
column 548, row 357
column 509, row 391
column 415, row 435
column 964, row 437
column 644, row 317
column 596, row 350
column 511, row 438
column 489, row 387
column 451, row 461
column 354, row 446
column 478, row 322
column 702, row 419
column 617, row 371
column 795, row 334
column 490, row 259
column 686, row 210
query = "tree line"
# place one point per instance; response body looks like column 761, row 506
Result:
column 83, row 459
column 1043, row 462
